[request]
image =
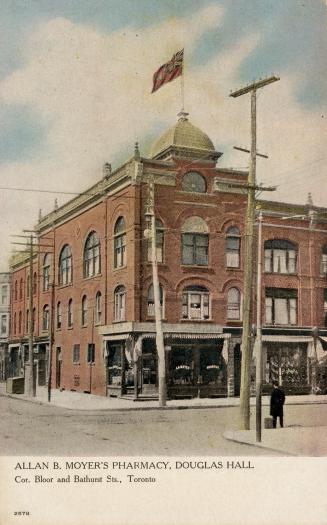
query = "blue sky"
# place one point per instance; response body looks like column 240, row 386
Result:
column 83, row 69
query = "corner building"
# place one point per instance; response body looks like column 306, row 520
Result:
column 93, row 297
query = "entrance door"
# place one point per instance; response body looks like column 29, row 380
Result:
column 58, row 366
column 149, row 373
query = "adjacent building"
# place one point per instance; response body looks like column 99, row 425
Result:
column 4, row 323
column 93, row 301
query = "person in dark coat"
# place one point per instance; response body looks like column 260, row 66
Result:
column 277, row 401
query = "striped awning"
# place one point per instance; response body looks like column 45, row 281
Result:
column 168, row 335
column 287, row 339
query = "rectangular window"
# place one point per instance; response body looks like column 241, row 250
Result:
column 76, row 354
column 195, row 247
column 120, row 251
column 281, row 306
column 4, row 294
column 195, row 305
column 91, row 353
column 324, row 264
column 120, row 299
column 233, row 252
column 4, row 324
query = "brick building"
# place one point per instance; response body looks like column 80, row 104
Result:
column 4, row 323
column 93, row 305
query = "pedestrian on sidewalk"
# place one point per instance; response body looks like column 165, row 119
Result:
column 277, row 401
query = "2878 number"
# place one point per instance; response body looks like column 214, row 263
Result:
column 21, row 513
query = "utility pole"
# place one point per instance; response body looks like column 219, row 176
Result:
column 156, row 293
column 248, row 267
column 29, row 367
column 258, row 341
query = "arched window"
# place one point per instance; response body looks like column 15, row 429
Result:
column 151, row 311
column 233, row 247
column 34, row 283
column 21, row 288
column 65, row 266
column 195, row 242
column 323, row 269
column 159, row 242
column 58, row 315
column 234, row 304
column 194, row 182
column 196, row 303
column 20, row 322
column 70, row 313
column 98, row 308
column 120, row 303
column 91, row 257
column 15, row 324
column 45, row 318
column 120, row 243
column 46, row 272
column 16, row 291
column 280, row 256
column 84, row 310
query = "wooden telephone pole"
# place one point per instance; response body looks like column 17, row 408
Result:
column 248, row 256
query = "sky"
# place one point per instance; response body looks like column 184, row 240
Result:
column 75, row 92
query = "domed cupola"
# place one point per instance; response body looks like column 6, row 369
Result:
column 185, row 141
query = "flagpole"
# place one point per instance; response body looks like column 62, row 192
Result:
column 182, row 83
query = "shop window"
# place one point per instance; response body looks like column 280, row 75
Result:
column 84, row 310
column 325, row 307
column 90, row 357
column 15, row 291
column 91, row 257
column 98, row 308
column 280, row 256
column 182, row 366
column 119, row 303
column 151, row 310
column 159, row 242
column 233, row 242
column 287, row 364
column 281, row 306
column 46, row 273
column 58, row 315
column 76, row 354
column 120, row 243
column 3, row 327
column 195, row 242
column 213, row 369
column 114, row 365
column 20, row 322
column 65, row 266
column 194, row 182
column 45, row 318
column 196, row 303
column 234, row 304
column 70, row 313
column 323, row 268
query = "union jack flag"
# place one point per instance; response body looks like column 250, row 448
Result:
column 169, row 71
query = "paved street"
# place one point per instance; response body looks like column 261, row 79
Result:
column 31, row 429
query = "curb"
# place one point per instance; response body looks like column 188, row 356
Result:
column 258, row 445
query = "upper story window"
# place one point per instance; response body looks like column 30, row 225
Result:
column 70, row 313
column 159, row 242
column 151, row 310
column 15, row 324
column 46, row 273
column 16, row 291
column 323, row 269
column 65, row 266
column 34, row 318
column 120, row 243
column 281, row 306
column 27, row 320
column 34, row 283
column 280, row 256
column 21, row 288
column 4, row 294
column 325, row 307
column 84, row 310
column 234, row 304
column 233, row 243
column 98, row 308
column 91, row 258
column 20, row 322
column 196, row 303
column 45, row 318
column 59, row 315
column 120, row 303
column 194, row 182
column 195, row 242
column 27, row 287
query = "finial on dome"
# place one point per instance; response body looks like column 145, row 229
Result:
column 182, row 115
column 106, row 169
column 136, row 151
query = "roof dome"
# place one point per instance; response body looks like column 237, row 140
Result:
column 182, row 137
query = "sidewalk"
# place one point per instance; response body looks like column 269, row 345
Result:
column 79, row 401
column 292, row 441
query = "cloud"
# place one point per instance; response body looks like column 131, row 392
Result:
column 91, row 92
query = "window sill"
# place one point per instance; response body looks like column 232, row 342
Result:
column 69, row 327
column 61, row 286
column 119, row 321
column 192, row 267
column 196, row 320
column 161, row 264
column 76, row 364
column 119, row 268
column 234, row 269
column 92, row 277
column 280, row 273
